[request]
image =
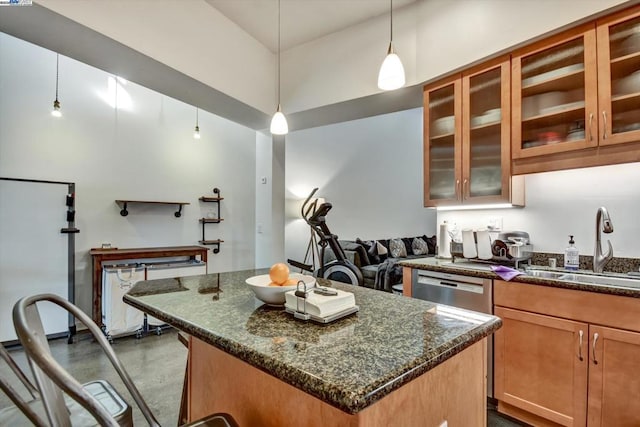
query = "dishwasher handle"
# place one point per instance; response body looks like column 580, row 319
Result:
column 453, row 285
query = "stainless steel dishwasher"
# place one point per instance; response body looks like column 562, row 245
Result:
column 470, row 293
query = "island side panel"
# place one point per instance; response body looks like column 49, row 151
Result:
column 407, row 283
column 454, row 391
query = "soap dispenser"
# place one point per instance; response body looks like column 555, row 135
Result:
column 571, row 255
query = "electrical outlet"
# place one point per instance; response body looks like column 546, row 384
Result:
column 263, row 180
column 494, row 223
column 259, row 228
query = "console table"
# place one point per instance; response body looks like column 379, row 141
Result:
column 98, row 256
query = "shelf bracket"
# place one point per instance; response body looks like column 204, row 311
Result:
column 178, row 214
column 124, row 211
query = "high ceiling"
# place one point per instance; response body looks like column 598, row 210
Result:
column 301, row 20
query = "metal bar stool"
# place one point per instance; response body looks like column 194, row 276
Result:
column 107, row 408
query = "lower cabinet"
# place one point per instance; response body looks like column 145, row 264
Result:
column 558, row 367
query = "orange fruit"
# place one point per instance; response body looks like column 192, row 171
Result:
column 290, row 282
column 279, row 273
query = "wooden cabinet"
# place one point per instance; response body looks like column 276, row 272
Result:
column 618, row 46
column 614, row 377
column 467, row 138
column 577, row 93
column 541, row 366
column 565, row 357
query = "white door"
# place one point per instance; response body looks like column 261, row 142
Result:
column 33, row 252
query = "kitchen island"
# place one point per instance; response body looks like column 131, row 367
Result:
column 398, row 361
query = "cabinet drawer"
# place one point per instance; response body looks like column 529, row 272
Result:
column 602, row 309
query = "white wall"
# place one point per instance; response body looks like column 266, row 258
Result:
column 143, row 150
column 565, row 202
column 370, row 170
column 431, row 37
column 189, row 36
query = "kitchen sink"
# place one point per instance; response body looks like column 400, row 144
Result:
column 595, row 279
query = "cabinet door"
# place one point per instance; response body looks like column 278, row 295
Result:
column 541, row 365
column 614, row 377
column 555, row 95
column 619, row 78
column 486, row 121
column 442, row 143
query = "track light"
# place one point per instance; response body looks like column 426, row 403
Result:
column 196, row 132
column 279, row 124
column 391, row 74
column 56, row 104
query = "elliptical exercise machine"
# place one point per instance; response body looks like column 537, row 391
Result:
column 340, row 269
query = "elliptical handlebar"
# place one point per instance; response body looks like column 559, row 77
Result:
column 304, row 211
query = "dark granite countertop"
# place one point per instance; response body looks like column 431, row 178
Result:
column 478, row 270
column 350, row 363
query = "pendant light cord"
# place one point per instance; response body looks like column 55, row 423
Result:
column 278, row 52
column 57, row 72
column 391, row 16
column 196, row 116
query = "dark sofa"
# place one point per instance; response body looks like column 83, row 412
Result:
column 377, row 259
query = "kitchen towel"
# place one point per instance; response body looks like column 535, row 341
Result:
column 505, row 273
column 484, row 244
column 468, row 244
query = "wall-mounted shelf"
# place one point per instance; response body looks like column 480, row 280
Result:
column 124, row 212
column 215, row 243
column 216, row 199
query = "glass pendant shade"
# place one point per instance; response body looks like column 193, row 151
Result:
column 391, row 74
column 196, row 133
column 279, row 124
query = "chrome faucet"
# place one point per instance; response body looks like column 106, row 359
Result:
column 600, row 259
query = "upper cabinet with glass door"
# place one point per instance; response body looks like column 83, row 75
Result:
column 442, row 142
column 467, row 138
column 486, row 119
column 554, row 97
column 619, row 78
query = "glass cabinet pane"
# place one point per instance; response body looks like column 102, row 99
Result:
column 624, row 48
column 485, row 173
column 553, row 95
column 442, row 143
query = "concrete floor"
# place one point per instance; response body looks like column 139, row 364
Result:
column 155, row 363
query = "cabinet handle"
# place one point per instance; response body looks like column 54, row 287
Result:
column 465, row 189
column 595, row 340
column 581, row 334
column 590, row 126
column 604, row 131
column 457, row 188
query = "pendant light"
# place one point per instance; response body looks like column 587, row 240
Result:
column 391, row 74
column 56, row 104
column 196, row 132
column 279, row 124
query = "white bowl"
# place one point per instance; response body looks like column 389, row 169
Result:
column 628, row 85
column 443, row 125
column 274, row 295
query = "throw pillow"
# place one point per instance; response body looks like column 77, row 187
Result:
column 431, row 241
column 408, row 244
column 372, row 251
column 397, row 248
column 420, row 246
column 381, row 248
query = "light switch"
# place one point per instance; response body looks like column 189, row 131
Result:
column 259, row 229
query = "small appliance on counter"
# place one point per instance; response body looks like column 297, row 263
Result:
column 512, row 247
